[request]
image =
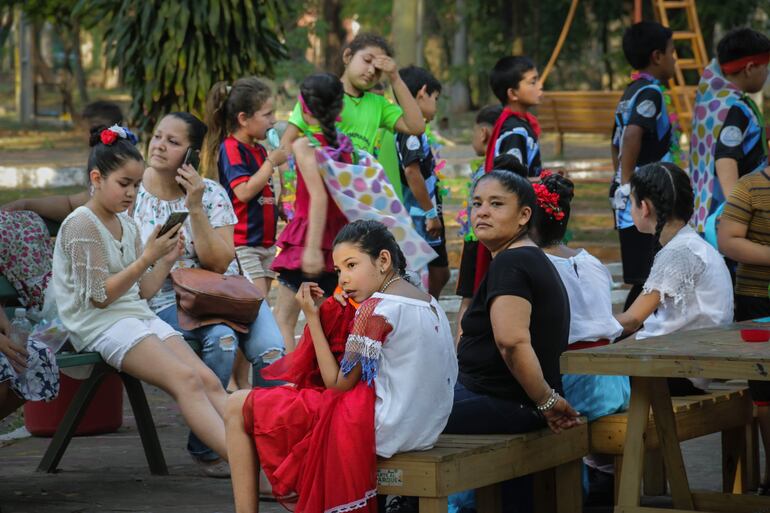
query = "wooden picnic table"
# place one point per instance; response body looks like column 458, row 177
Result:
column 704, row 353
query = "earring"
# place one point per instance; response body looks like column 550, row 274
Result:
column 382, row 271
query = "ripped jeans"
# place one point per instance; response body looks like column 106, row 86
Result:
column 261, row 346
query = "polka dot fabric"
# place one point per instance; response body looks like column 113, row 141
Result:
column 714, row 97
column 362, row 191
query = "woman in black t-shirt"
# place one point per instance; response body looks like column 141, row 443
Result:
column 517, row 325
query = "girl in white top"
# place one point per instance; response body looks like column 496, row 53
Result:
column 400, row 343
column 687, row 285
column 102, row 277
column 588, row 284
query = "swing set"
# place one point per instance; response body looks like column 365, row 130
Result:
column 593, row 112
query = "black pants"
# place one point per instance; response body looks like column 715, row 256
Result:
column 481, row 414
column 747, row 308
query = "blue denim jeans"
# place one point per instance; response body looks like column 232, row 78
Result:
column 219, row 342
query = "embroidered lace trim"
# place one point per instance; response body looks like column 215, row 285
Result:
column 352, row 506
column 674, row 274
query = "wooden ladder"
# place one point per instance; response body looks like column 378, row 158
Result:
column 682, row 93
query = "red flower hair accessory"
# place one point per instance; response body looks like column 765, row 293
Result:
column 108, row 136
column 548, row 201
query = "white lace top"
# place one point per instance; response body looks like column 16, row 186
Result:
column 149, row 211
column 85, row 256
column 694, row 285
column 405, row 347
column 589, row 287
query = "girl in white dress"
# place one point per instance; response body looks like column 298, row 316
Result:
column 102, row 277
column 688, row 287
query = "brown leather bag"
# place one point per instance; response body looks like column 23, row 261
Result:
column 204, row 297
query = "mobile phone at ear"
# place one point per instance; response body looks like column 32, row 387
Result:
column 174, row 219
column 191, row 157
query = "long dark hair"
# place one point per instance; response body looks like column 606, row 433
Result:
column 373, row 237
column 223, row 104
column 669, row 190
column 323, row 94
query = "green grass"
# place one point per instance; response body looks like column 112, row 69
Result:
column 8, row 195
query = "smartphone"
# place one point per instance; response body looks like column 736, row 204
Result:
column 191, row 157
column 174, row 219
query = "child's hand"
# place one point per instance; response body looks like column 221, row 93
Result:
column 178, row 250
column 433, row 227
column 388, row 66
column 341, row 296
column 158, row 247
column 17, row 355
column 309, row 296
column 191, row 182
column 278, row 156
column 312, row 261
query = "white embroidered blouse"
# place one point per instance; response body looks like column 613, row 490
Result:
column 694, row 285
column 405, row 347
column 85, row 256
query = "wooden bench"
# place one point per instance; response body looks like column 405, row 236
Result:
column 579, row 112
column 481, row 462
column 728, row 411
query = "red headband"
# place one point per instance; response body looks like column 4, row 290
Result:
column 728, row 68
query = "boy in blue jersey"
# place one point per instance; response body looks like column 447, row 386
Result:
column 419, row 182
column 643, row 134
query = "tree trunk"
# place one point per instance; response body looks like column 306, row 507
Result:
column 404, row 33
column 459, row 95
column 80, row 75
column 334, row 38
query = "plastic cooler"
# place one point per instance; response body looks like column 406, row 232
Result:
column 103, row 415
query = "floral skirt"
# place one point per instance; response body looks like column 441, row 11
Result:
column 40, row 380
column 26, row 254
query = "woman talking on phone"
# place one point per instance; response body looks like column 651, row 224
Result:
column 171, row 185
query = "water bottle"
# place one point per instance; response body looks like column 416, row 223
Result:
column 20, row 327
column 272, row 138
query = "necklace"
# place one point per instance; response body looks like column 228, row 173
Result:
column 388, row 283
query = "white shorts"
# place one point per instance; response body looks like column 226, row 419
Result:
column 115, row 342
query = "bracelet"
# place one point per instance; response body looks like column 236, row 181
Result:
column 549, row 403
column 271, row 163
column 431, row 214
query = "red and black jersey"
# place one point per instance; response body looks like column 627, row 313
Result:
column 257, row 219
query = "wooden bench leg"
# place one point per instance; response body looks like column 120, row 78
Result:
column 752, row 455
column 618, row 470
column 569, row 487
column 633, row 453
column 733, row 460
column 73, row 416
column 654, row 473
column 433, row 505
column 665, row 425
column 145, row 425
column 544, row 491
column 488, row 499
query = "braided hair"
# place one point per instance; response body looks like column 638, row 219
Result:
column 323, row 94
column 669, row 190
column 373, row 237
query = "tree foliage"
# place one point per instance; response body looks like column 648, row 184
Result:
column 171, row 53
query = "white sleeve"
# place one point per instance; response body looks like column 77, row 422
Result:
column 87, row 258
column 674, row 274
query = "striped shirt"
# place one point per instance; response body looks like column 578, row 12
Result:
column 749, row 204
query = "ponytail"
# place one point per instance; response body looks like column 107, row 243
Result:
column 223, row 104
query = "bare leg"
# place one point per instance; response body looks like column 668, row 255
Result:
column 239, row 380
column 154, row 362
column 244, row 460
column 437, row 278
column 9, row 401
column 286, row 313
column 212, row 386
